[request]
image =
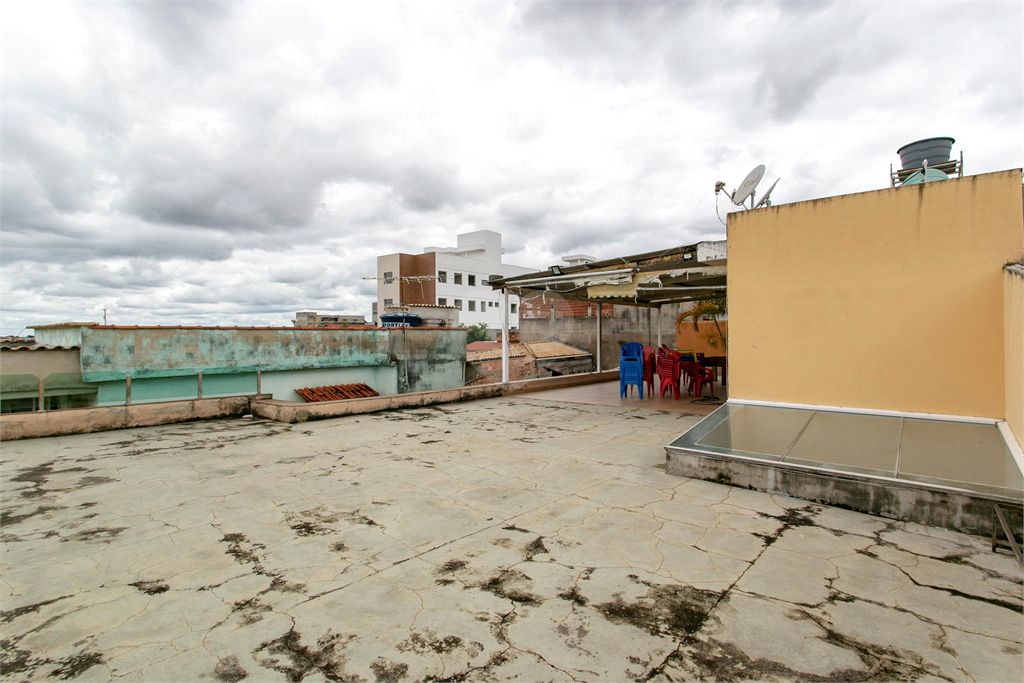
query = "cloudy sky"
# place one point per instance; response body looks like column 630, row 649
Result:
column 234, row 162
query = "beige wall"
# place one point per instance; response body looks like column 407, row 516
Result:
column 41, row 362
column 1013, row 331
column 889, row 300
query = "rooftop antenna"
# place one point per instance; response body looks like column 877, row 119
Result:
column 765, row 201
column 104, row 316
column 747, row 187
column 746, row 191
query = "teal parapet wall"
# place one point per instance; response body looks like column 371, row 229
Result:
column 429, row 359
column 112, row 353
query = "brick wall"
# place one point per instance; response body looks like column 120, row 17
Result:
column 422, row 292
column 539, row 307
column 489, row 371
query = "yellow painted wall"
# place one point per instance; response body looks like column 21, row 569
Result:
column 1013, row 331
column 889, row 300
column 688, row 339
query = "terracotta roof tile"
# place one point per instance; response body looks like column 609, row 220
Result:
column 337, row 392
column 514, row 351
column 554, row 349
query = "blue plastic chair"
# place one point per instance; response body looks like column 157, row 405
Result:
column 632, row 350
column 631, row 368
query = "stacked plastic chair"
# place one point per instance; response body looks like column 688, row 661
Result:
column 668, row 372
column 649, row 366
column 631, row 368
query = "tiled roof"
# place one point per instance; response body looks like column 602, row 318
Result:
column 483, row 345
column 514, row 351
column 554, row 349
column 338, row 392
column 542, row 349
column 36, row 347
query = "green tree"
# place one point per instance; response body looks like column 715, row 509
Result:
column 477, row 333
column 714, row 308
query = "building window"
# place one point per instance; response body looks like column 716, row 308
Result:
column 458, row 278
column 389, row 277
column 483, row 305
column 442, row 276
column 513, row 308
column 388, row 302
column 458, row 304
column 472, row 305
column 442, row 301
column 472, row 280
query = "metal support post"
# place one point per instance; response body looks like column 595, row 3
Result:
column 599, row 316
column 259, row 383
column 659, row 327
column 42, row 395
column 199, row 383
column 128, row 390
column 504, row 336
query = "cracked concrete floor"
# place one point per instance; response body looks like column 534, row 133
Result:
column 505, row 539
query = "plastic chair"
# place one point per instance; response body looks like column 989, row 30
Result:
column 668, row 372
column 631, row 368
column 631, row 371
column 700, row 377
column 685, row 357
column 632, row 350
column 649, row 363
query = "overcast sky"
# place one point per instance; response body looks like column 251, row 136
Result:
column 232, row 163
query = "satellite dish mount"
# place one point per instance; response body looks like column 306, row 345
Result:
column 747, row 188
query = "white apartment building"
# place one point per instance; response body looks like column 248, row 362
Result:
column 451, row 276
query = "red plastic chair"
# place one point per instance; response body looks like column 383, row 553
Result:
column 668, row 372
column 700, row 377
column 649, row 362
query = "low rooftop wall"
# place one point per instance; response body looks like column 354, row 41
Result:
column 84, row 420
column 284, row 411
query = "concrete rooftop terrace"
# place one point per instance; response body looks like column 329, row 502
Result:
column 501, row 539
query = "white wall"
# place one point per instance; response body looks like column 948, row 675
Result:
column 477, row 253
column 391, row 291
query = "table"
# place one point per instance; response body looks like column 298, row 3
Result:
column 716, row 362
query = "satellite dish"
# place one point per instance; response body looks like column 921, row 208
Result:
column 764, row 201
column 748, row 186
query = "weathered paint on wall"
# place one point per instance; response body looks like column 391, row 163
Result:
column 282, row 385
column 1013, row 331
column 428, row 359
column 626, row 324
column 111, row 353
column 890, row 300
column 59, row 335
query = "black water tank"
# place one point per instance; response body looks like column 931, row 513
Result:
column 935, row 150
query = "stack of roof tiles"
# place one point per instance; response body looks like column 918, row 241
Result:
column 338, row 392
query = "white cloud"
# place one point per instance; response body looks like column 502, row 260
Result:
column 231, row 163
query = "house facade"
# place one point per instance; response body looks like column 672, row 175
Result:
column 451, row 276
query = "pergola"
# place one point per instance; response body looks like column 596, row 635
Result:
column 651, row 280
